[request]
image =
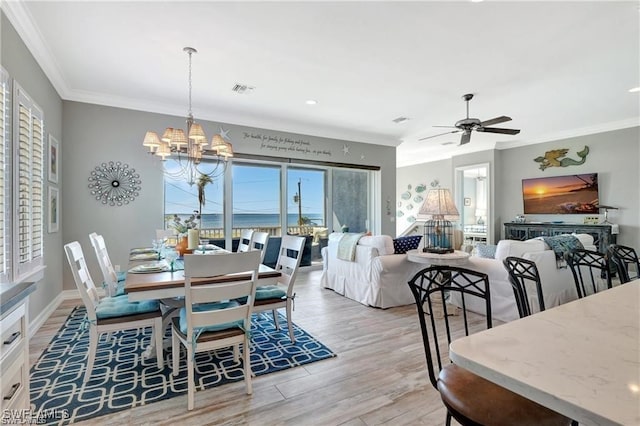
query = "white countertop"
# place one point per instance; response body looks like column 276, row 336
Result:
column 581, row 359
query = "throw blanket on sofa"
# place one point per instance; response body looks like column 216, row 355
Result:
column 347, row 246
column 562, row 245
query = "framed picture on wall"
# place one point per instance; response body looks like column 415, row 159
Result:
column 54, row 210
column 54, row 159
column 467, row 201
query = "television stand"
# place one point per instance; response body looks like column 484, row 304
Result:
column 602, row 233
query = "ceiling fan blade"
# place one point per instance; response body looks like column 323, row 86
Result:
column 496, row 120
column 440, row 134
column 466, row 137
column 498, row 130
column 450, row 127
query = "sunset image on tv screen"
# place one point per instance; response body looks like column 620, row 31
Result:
column 576, row 194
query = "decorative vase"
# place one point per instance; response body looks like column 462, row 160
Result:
column 181, row 246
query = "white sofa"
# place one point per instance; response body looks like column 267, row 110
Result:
column 558, row 286
column 377, row 277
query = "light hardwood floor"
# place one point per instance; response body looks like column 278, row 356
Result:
column 378, row 377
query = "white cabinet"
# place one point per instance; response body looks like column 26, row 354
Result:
column 14, row 357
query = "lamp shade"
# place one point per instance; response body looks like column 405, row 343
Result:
column 196, row 133
column 178, row 139
column 151, row 140
column 439, row 204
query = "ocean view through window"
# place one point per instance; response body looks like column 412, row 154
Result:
column 273, row 197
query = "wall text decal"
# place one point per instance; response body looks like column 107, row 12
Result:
column 283, row 145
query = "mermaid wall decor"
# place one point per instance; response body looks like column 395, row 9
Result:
column 554, row 158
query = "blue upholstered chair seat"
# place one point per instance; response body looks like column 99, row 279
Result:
column 210, row 307
column 270, row 292
column 122, row 276
column 119, row 306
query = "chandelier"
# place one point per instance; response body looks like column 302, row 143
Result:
column 188, row 149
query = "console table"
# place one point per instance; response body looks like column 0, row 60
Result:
column 602, row 233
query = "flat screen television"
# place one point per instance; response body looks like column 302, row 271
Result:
column 571, row 194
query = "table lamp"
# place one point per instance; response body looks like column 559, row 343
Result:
column 438, row 231
column 480, row 215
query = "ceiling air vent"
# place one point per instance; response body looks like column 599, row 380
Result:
column 400, row 120
column 242, row 88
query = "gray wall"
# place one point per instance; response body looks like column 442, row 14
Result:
column 407, row 178
column 97, row 134
column 613, row 155
column 21, row 65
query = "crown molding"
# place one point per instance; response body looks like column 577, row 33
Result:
column 573, row 133
column 22, row 21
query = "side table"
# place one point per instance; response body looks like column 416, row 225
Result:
column 457, row 258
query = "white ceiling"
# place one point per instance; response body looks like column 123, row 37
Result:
column 558, row 69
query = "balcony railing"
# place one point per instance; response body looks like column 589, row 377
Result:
column 274, row 231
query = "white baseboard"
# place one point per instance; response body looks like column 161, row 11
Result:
column 36, row 323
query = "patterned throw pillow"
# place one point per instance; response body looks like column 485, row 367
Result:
column 403, row 244
column 488, row 251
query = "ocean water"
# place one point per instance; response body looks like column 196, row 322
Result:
column 247, row 220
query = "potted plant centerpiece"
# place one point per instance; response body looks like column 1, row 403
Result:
column 182, row 229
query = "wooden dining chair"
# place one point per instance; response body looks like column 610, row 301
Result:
column 281, row 295
column 113, row 281
column 245, row 240
column 110, row 314
column 524, row 276
column 212, row 318
column 469, row 398
column 259, row 241
column 625, row 260
column 591, row 271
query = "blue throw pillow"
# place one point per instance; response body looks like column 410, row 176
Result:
column 401, row 245
column 488, row 251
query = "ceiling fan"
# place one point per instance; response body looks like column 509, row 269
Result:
column 467, row 125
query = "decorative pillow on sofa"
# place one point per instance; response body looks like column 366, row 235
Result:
column 487, row 251
column 403, row 244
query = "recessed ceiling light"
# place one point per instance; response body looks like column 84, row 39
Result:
column 311, row 102
column 634, row 90
column 477, row 1
column 400, row 120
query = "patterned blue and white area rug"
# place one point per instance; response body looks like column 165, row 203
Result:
column 122, row 379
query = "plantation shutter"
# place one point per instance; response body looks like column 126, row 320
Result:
column 5, row 211
column 29, row 164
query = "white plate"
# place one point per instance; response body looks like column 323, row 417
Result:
column 149, row 268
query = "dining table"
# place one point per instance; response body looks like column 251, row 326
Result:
column 163, row 283
column 149, row 276
column 580, row 359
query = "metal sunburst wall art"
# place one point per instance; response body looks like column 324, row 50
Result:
column 114, row 183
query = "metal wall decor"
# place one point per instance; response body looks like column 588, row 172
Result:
column 114, row 183
column 554, row 158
